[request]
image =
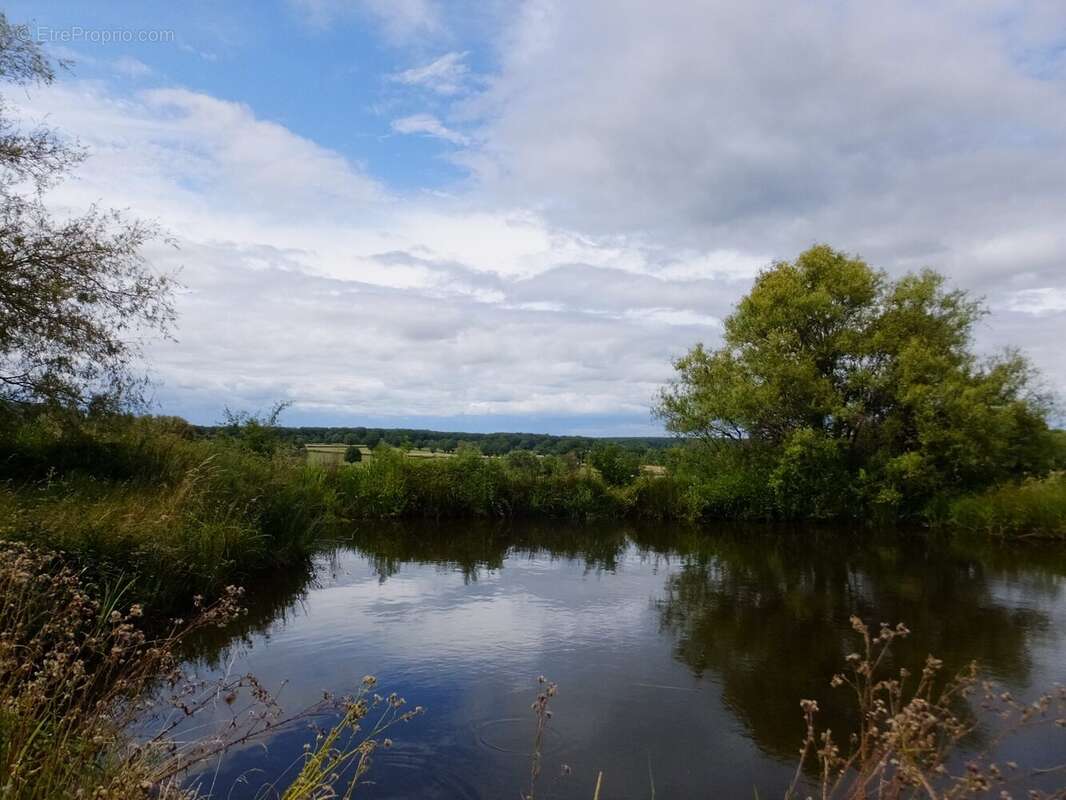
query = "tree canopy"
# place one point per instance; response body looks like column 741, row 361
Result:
column 843, row 386
column 75, row 291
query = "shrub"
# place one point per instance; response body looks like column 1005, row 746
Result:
column 1030, row 508
column 617, row 465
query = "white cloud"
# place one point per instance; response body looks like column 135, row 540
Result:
column 131, row 67
column 185, row 158
column 306, row 280
column 447, row 75
column 1050, row 300
column 930, row 133
column 428, row 125
column 633, row 165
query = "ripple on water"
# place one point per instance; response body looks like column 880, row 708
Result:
column 428, row 773
column 515, row 735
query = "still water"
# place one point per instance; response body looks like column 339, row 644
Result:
column 680, row 655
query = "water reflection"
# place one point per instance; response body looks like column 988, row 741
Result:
column 681, row 653
column 769, row 617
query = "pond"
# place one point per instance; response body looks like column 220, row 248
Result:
column 681, row 655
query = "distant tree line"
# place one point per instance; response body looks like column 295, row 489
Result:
column 650, row 449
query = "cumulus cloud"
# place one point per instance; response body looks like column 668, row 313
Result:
column 183, row 155
column 930, row 133
column 632, row 166
column 305, row 280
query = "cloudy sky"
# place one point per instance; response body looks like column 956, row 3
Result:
column 497, row 215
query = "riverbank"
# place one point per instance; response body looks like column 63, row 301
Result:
column 150, row 501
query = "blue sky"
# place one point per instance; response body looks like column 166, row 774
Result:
column 327, row 79
column 513, row 214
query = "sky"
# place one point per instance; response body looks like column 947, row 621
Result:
column 512, row 215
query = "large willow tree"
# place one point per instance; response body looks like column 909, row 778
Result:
column 836, row 388
column 76, row 295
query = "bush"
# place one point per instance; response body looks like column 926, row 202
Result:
column 353, row 455
column 617, row 465
column 1031, row 508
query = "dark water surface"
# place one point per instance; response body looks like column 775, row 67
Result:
column 681, row 655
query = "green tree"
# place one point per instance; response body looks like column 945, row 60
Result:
column 254, row 432
column 353, row 454
column 524, row 463
column 75, row 293
column 840, row 386
column 617, row 465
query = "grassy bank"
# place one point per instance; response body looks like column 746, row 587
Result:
column 1033, row 508
column 144, row 500
column 80, row 664
column 150, row 500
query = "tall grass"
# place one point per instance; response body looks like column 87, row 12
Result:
column 143, row 500
column 73, row 665
column 911, row 728
column 912, row 731
column 390, row 485
column 1031, row 508
column 79, row 665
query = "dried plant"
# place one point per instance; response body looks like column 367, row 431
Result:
column 910, row 729
column 74, row 671
column 543, row 714
column 77, row 671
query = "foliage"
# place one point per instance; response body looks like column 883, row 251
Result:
column 140, row 496
column 74, row 663
column 391, row 484
column 353, row 455
column 253, row 431
column 1032, row 508
column 650, row 448
column 618, row 466
column 342, row 755
column 853, row 392
column 75, row 293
